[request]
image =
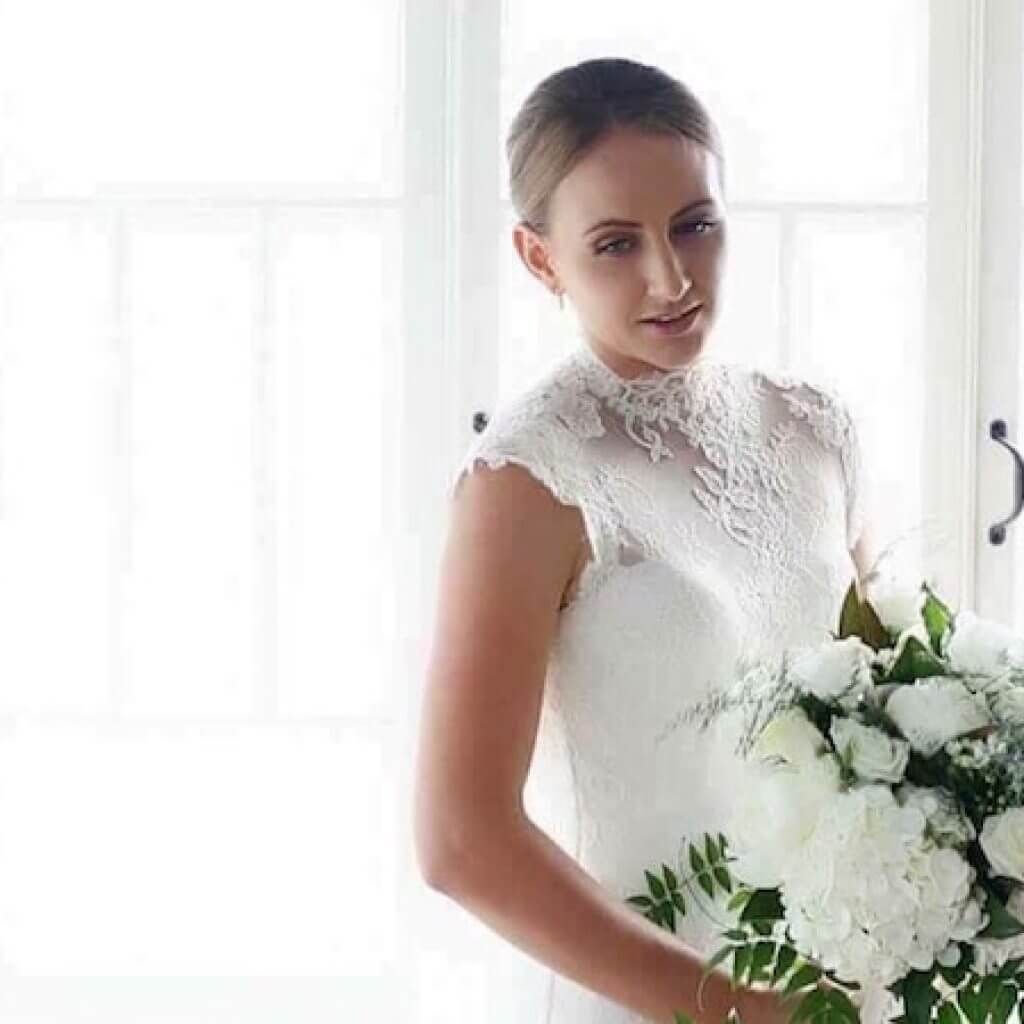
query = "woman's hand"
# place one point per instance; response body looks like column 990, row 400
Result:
column 763, row 1006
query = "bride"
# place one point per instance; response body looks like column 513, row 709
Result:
column 625, row 534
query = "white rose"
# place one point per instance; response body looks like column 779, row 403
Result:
column 1002, row 839
column 981, row 646
column 835, row 670
column 1008, row 705
column 897, row 605
column 875, row 755
column 776, row 812
column 930, row 712
column 790, row 735
column 947, row 825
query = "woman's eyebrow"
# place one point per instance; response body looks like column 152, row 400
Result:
column 618, row 222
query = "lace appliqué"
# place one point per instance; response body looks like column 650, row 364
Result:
column 748, row 485
column 833, row 424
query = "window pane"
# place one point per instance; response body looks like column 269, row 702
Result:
column 799, row 122
column 214, row 851
column 856, row 316
column 190, row 98
column 335, row 310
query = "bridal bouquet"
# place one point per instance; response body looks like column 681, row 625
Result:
column 878, row 836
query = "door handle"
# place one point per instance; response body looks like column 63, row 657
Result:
column 997, row 431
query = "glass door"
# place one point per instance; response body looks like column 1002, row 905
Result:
column 998, row 519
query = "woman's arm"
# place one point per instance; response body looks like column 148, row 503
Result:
column 519, row 882
column 865, row 553
column 510, row 554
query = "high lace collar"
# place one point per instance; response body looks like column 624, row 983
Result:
column 653, row 402
column 650, row 391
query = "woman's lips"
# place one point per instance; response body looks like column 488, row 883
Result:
column 674, row 328
column 686, row 312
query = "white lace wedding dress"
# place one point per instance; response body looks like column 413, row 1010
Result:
column 721, row 503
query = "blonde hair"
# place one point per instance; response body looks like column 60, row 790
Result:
column 572, row 109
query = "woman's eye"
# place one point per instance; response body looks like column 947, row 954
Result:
column 609, row 247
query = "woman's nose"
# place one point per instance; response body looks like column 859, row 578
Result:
column 667, row 279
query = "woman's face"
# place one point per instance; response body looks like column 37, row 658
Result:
column 670, row 257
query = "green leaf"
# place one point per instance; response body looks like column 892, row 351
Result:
column 849, row 616
column 990, row 987
column 948, row 1014
column 670, row 879
column 668, row 913
column 640, row 901
column 808, row 1006
column 736, row 933
column 741, row 962
column 677, row 899
column 785, row 960
column 696, row 861
column 968, row 1001
column 1002, row 924
column 876, row 635
column 763, row 953
column 706, row 884
column 915, row 662
column 936, row 618
column 741, row 897
column 840, row 1004
column 655, row 885
column 1010, row 967
column 764, row 903
column 801, row 978
column 1004, row 1002
column 724, row 878
column 710, row 851
column 918, row 996
column 952, row 976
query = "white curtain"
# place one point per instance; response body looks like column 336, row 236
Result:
column 256, row 280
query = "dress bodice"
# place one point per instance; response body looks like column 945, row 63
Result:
column 721, row 503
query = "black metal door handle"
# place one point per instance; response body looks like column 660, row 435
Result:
column 997, row 431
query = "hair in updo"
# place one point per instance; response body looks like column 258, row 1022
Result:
column 572, row 109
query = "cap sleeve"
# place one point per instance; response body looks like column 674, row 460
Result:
column 497, row 447
column 535, row 436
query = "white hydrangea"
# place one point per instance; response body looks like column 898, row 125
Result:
column 932, row 711
column 870, row 896
column 834, row 670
